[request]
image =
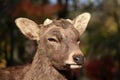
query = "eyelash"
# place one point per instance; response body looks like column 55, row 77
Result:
column 52, row 39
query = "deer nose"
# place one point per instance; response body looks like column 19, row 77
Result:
column 79, row 59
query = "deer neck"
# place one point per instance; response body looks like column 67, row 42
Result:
column 41, row 69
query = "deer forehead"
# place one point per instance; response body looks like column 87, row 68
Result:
column 62, row 25
column 68, row 32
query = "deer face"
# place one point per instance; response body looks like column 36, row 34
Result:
column 58, row 38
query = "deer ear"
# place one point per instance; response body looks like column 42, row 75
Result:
column 47, row 21
column 81, row 21
column 28, row 27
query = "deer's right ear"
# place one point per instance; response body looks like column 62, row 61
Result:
column 28, row 27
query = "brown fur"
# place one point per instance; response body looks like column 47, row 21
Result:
column 56, row 42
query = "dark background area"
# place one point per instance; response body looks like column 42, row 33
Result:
column 100, row 43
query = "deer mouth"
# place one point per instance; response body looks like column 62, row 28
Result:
column 74, row 66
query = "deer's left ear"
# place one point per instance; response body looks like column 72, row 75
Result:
column 81, row 21
column 28, row 27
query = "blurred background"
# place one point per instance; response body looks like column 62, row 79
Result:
column 100, row 43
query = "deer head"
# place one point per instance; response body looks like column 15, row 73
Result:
column 59, row 39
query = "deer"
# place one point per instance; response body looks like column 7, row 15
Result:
column 58, row 51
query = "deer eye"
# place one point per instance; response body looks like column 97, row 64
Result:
column 78, row 41
column 53, row 39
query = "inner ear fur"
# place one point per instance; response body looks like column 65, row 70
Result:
column 28, row 27
column 81, row 21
